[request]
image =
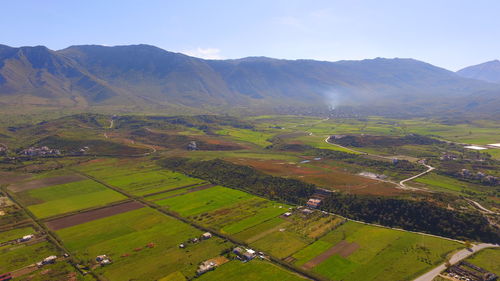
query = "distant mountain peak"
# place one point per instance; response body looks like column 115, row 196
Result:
column 488, row 71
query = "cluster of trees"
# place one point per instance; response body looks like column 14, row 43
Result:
column 478, row 172
column 178, row 141
column 243, row 177
column 369, row 140
column 412, row 215
column 95, row 146
column 403, row 213
column 206, row 123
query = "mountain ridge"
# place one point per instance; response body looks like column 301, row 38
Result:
column 144, row 76
column 488, row 71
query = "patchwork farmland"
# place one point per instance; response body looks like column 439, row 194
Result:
column 145, row 218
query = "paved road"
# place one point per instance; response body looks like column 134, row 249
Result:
column 458, row 256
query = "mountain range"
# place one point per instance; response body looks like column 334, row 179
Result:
column 144, row 78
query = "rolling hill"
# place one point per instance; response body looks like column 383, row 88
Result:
column 149, row 79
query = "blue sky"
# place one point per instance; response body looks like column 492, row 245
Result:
column 446, row 33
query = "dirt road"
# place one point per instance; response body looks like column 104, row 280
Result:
column 429, row 168
column 401, row 183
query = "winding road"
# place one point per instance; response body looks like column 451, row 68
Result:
column 458, row 256
column 429, row 168
column 401, row 183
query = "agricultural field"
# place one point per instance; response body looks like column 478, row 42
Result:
column 203, row 201
column 437, row 182
column 74, row 198
column 356, row 251
column 12, row 234
column 60, row 271
column 67, row 197
column 253, row 270
column 487, row 259
column 224, row 209
column 19, row 256
column 137, row 179
column 283, row 236
column 142, row 239
column 258, row 138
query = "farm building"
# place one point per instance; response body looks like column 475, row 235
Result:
column 206, row 266
column 467, row 271
column 103, row 259
column 313, row 203
column 26, row 238
column 47, row 260
column 244, row 254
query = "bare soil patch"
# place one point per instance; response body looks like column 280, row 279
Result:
column 8, row 177
column 80, row 218
column 34, row 184
column 343, row 248
column 218, row 260
column 324, row 175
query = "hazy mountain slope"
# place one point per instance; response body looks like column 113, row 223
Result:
column 488, row 71
column 38, row 75
column 142, row 77
column 379, row 81
column 152, row 73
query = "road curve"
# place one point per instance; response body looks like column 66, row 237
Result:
column 480, row 207
column 401, row 183
column 355, row 151
column 458, row 256
column 429, row 168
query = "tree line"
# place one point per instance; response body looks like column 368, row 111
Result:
column 415, row 215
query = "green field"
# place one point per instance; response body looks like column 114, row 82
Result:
column 263, row 214
column 487, row 259
column 445, row 184
column 254, row 270
column 254, row 232
column 281, row 243
column 227, row 210
column 383, row 254
column 124, row 238
column 204, row 200
column 58, row 199
column 151, row 181
column 256, row 137
column 138, row 178
column 16, row 257
column 59, row 271
column 15, row 233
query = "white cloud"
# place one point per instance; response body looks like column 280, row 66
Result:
column 205, row 53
